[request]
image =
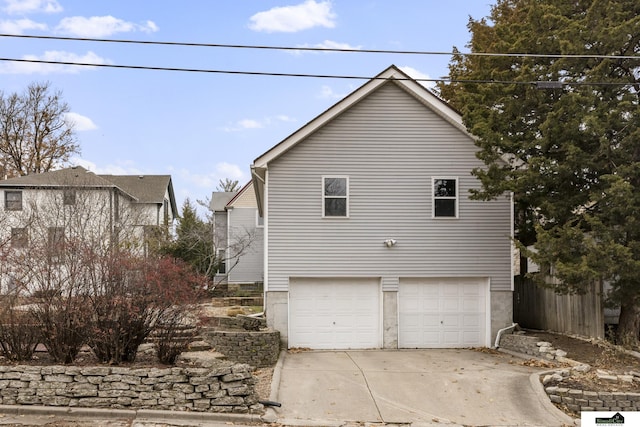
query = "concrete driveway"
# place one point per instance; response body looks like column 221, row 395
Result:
column 464, row 387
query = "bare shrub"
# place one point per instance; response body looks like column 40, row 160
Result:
column 140, row 295
column 19, row 335
column 174, row 333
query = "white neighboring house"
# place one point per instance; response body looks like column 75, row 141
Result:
column 75, row 202
column 238, row 237
column 371, row 237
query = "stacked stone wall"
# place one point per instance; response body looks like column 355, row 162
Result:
column 256, row 348
column 225, row 388
column 579, row 400
column 531, row 345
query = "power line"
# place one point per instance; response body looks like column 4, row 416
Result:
column 540, row 84
column 322, row 49
column 203, row 70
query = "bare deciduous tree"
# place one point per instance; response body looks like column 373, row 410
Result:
column 228, row 185
column 34, row 135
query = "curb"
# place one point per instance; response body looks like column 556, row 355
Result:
column 271, row 414
column 139, row 415
column 545, row 402
column 538, row 388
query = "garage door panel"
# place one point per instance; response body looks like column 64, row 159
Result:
column 449, row 313
column 334, row 313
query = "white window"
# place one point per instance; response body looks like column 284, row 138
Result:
column 335, row 196
column 445, row 197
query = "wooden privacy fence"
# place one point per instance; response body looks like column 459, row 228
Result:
column 537, row 307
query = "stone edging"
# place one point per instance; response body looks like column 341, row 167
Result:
column 578, row 400
column 582, row 401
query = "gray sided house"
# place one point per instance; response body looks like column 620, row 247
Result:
column 370, row 235
column 238, row 237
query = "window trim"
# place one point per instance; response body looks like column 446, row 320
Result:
column 434, row 197
column 324, row 197
column 8, row 202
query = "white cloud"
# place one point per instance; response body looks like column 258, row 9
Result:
column 246, row 124
column 125, row 168
column 101, row 26
column 228, row 170
column 54, row 56
column 198, row 187
column 80, row 123
column 149, row 27
column 13, row 7
column 329, row 44
column 284, row 118
column 19, row 26
column 250, row 124
column 290, row 19
column 209, row 181
column 327, row 93
column 413, row 73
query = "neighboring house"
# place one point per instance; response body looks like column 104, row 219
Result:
column 238, row 237
column 153, row 197
column 75, row 202
column 371, row 237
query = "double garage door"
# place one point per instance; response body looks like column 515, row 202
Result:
column 346, row 313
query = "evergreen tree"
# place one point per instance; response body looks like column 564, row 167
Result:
column 194, row 241
column 569, row 151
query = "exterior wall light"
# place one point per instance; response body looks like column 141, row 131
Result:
column 390, row 243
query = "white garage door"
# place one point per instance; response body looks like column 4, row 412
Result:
column 334, row 313
column 442, row 313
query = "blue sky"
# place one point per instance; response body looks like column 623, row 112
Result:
column 202, row 127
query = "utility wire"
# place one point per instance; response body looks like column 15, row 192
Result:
column 540, row 84
column 322, row 49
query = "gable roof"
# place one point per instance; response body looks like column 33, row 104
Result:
column 140, row 188
column 75, row 176
column 146, row 188
column 220, row 199
column 392, row 75
column 247, row 187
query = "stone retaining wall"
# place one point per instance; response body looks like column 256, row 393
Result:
column 242, row 323
column 531, row 345
column 257, row 348
column 226, row 387
column 579, row 400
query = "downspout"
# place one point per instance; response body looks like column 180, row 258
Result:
column 503, row 330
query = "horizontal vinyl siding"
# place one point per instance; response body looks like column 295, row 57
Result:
column 247, row 199
column 390, row 146
column 250, row 264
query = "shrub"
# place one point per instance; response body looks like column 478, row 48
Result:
column 19, row 336
column 140, row 295
column 174, row 333
column 63, row 322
